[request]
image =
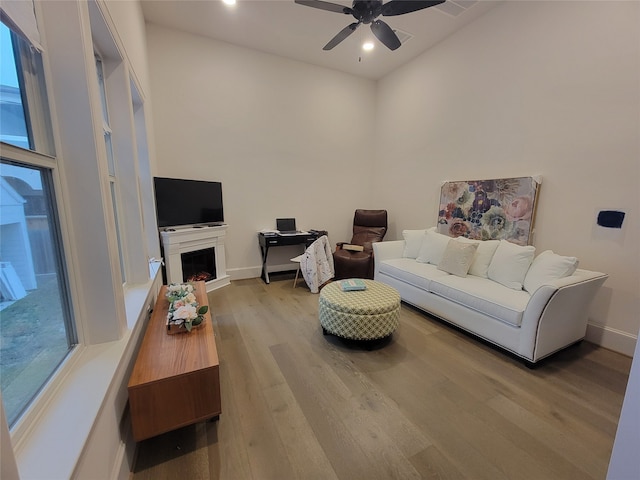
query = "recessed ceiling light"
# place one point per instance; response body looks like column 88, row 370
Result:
column 229, row 2
column 367, row 46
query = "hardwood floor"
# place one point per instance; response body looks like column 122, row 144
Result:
column 431, row 402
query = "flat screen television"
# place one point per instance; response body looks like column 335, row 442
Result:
column 182, row 202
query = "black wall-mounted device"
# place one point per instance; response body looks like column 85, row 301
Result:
column 610, row 218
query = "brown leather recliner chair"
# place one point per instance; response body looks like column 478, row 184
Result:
column 368, row 226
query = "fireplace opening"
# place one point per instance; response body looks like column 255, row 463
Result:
column 199, row 265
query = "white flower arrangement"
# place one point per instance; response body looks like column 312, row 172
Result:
column 184, row 310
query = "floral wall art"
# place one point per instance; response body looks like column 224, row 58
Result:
column 489, row 209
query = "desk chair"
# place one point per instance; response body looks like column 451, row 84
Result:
column 297, row 260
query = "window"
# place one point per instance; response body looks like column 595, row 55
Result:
column 13, row 125
column 24, row 110
column 108, row 145
column 36, row 325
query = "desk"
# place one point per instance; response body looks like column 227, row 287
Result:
column 268, row 241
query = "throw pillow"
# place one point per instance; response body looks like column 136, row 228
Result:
column 432, row 248
column 546, row 267
column 484, row 254
column 457, row 257
column 510, row 263
column 412, row 242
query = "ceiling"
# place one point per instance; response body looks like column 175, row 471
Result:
column 284, row 28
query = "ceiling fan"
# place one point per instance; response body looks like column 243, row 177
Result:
column 367, row 11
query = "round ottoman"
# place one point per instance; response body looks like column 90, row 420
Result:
column 361, row 315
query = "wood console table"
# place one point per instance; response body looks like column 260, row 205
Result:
column 176, row 380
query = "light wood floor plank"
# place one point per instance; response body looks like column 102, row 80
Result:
column 304, row 451
column 255, row 420
column 229, row 458
column 592, row 463
column 383, row 430
column 430, row 402
column 549, row 459
column 422, row 402
column 433, row 465
column 332, row 433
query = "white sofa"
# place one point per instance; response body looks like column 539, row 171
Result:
column 529, row 305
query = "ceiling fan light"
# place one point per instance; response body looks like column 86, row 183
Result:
column 368, row 45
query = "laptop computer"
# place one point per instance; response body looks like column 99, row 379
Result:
column 286, row 226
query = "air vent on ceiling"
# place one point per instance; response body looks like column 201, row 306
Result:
column 456, row 7
column 403, row 36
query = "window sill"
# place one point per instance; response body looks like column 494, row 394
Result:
column 52, row 445
column 135, row 297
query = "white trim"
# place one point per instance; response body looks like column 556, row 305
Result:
column 8, row 467
column 611, row 338
column 77, row 400
column 121, row 468
column 20, row 15
column 244, row 273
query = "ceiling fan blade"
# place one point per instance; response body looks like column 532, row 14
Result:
column 328, row 6
column 385, row 34
column 400, row 7
column 342, row 34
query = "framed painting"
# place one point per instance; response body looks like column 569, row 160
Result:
column 489, row 209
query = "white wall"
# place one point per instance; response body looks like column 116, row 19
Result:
column 127, row 16
column 284, row 138
column 531, row 88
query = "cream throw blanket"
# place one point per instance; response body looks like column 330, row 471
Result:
column 316, row 264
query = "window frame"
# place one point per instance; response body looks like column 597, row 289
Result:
column 112, row 161
column 33, row 92
column 29, row 415
column 31, row 70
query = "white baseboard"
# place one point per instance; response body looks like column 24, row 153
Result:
column 244, row 273
column 121, row 469
column 611, row 338
column 256, row 272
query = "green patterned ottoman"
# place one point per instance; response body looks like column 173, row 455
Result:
column 361, row 315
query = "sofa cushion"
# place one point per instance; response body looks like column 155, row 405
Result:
column 482, row 259
column 408, row 270
column 510, row 263
column 457, row 257
column 546, row 267
column 412, row 242
column 433, row 246
column 484, row 296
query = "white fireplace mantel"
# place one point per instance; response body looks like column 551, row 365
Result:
column 190, row 239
